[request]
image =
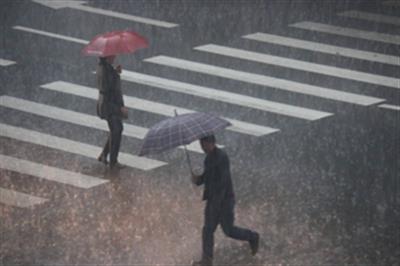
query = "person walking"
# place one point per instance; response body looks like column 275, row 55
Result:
column 219, row 194
column 110, row 106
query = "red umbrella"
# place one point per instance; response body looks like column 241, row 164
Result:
column 114, row 43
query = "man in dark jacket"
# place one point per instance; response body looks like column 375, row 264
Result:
column 110, row 106
column 219, row 194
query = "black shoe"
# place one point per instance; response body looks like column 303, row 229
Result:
column 102, row 159
column 116, row 166
column 203, row 262
column 254, row 243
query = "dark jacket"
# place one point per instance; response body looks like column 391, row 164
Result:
column 110, row 98
column 217, row 178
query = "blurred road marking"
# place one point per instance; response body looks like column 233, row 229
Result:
column 200, row 91
column 390, row 106
column 4, row 62
column 324, row 48
column 152, row 107
column 49, row 173
column 392, row 3
column 19, row 199
column 52, row 35
column 74, row 147
column 78, row 6
column 371, row 17
column 309, row 67
column 262, row 80
column 76, row 118
column 349, row 32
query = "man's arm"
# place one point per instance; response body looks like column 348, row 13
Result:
column 200, row 179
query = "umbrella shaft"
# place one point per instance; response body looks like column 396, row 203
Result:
column 188, row 159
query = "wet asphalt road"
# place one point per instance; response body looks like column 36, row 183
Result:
column 319, row 192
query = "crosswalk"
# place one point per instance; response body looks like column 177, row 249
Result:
column 371, row 17
column 394, row 3
column 151, row 106
column 19, row 199
column 222, row 94
column 50, row 34
column 324, row 48
column 28, row 168
column 390, row 106
column 50, row 173
column 79, row 5
column 75, row 118
column 310, row 67
column 74, row 147
column 348, row 32
column 5, row 62
column 269, row 82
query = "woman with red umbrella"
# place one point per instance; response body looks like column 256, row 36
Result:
column 110, row 104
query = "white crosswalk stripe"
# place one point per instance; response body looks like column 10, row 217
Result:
column 49, row 173
column 148, row 21
column 309, row 67
column 143, row 20
column 348, row 32
column 78, row 6
column 394, row 3
column 76, row 118
column 390, row 106
column 74, row 147
column 5, row 62
column 324, row 48
column 152, row 107
column 379, row 18
column 268, row 82
column 19, row 199
column 52, row 35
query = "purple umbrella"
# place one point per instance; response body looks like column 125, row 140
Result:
column 181, row 130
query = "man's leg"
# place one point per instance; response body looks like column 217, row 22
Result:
column 210, row 224
column 115, row 125
column 106, row 149
column 118, row 141
column 227, row 224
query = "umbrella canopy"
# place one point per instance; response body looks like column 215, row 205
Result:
column 181, row 130
column 114, row 43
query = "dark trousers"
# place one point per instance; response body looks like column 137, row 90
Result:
column 114, row 138
column 224, row 215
